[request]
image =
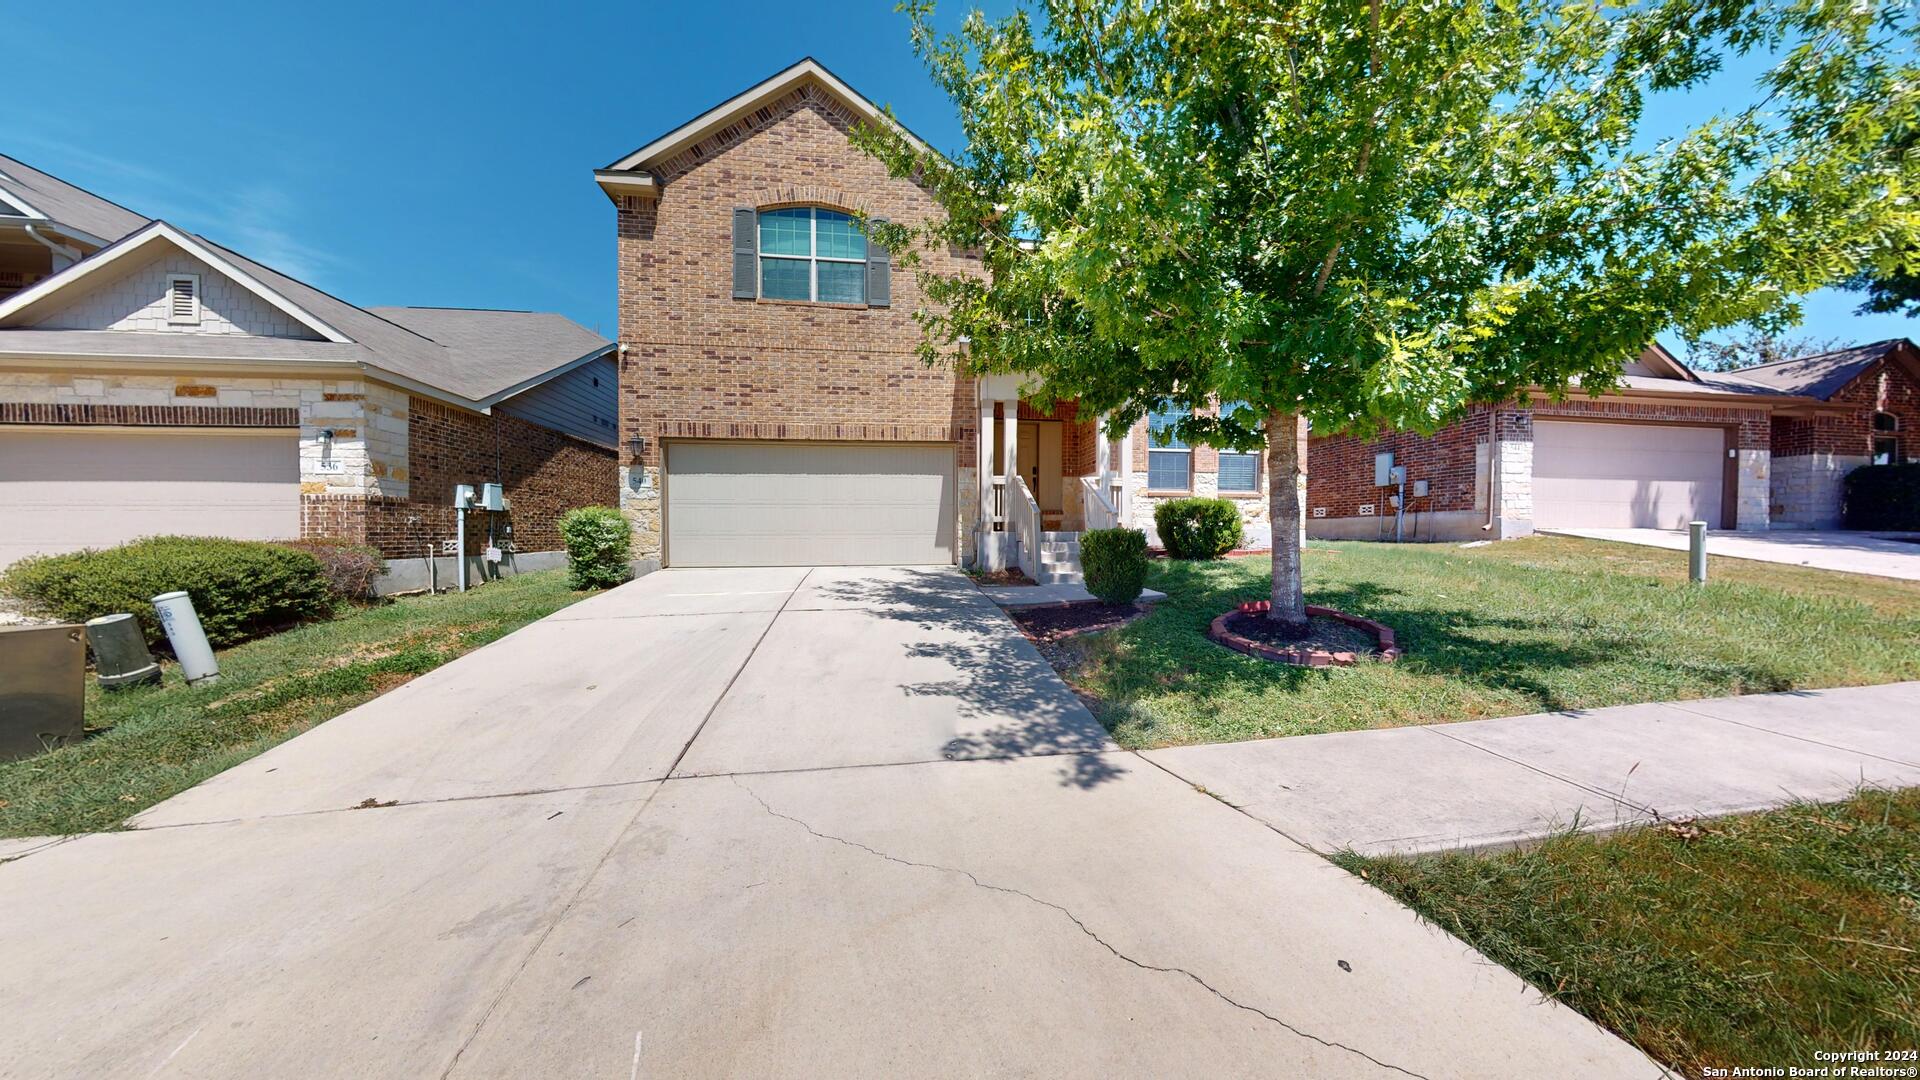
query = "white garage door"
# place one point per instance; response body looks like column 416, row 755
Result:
column 62, row 489
column 1626, row 476
column 809, row 504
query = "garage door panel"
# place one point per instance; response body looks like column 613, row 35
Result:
column 63, row 490
column 1589, row 475
column 769, row 504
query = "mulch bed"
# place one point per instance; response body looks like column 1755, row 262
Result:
column 1012, row 575
column 1323, row 632
column 1054, row 622
column 1334, row 638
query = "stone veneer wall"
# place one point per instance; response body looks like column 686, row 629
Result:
column 700, row 364
column 369, row 455
column 1812, row 454
column 384, row 440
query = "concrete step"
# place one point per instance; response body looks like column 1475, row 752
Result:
column 1061, row 577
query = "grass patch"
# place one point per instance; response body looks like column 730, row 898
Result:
column 150, row 743
column 1522, row 626
column 1757, row 941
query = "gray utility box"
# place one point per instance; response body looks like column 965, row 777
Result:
column 43, row 683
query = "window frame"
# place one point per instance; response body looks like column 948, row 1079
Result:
column 813, row 258
column 1892, row 445
column 1227, row 408
column 1185, row 451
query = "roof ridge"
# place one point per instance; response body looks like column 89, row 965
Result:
column 1888, row 342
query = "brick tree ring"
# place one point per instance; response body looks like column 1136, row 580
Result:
column 1386, row 649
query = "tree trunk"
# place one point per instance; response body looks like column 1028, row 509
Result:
column 1283, row 510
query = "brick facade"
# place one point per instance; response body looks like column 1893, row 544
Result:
column 700, row 364
column 1487, row 457
column 1814, row 450
column 545, row 473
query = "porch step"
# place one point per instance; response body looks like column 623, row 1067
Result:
column 1060, row 558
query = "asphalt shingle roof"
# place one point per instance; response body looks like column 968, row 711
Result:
column 1820, row 375
column 66, row 204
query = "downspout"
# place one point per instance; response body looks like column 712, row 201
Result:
column 1493, row 468
column 73, row 254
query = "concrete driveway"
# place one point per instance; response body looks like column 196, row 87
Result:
column 1894, row 555
column 727, row 823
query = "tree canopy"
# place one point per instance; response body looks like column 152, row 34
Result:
column 1372, row 215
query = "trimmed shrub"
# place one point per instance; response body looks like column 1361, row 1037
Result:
column 598, row 545
column 1198, row 528
column 350, row 568
column 1115, row 564
column 1882, row 497
column 240, row 588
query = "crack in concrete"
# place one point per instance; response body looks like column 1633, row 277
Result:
column 1084, row 929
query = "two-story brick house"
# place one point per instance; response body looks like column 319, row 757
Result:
column 773, row 407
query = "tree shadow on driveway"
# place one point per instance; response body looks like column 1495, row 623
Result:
column 998, row 680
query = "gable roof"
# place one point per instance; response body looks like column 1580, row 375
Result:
column 42, row 292
column 1821, row 375
column 72, row 209
column 473, row 359
column 629, row 176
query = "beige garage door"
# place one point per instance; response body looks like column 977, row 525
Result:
column 62, row 489
column 809, row 504
column 1626, row 476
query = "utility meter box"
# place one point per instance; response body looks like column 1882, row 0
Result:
column 1383, row 470
column 43, row 686
column 493, row 497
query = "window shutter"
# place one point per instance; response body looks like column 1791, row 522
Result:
column 879, row 273
column 746, row 253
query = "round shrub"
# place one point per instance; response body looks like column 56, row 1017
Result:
column 598, row 545
column 1115, row 564
column 240, row 588
column 1198, row 528
column 1882, row 497
column 351, row 568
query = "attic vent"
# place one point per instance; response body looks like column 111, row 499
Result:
column 183, row 298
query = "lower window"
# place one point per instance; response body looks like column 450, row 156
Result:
column 1167, row 469
column 1239, row 473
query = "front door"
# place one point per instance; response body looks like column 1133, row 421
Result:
column 1039, row 454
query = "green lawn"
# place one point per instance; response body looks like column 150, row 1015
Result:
column 1757, row 941
column 1516, row 627
column 158, row 741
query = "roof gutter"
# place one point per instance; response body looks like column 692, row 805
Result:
column 57, row 248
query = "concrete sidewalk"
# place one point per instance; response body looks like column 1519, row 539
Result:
column 1893, row 555
column 1498, row 783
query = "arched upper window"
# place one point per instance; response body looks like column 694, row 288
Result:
column 1885, row 421
column 811, row 253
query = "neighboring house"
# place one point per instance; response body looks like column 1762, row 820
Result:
column 773, row 408
column 1870, row 415
column 152, row 381
column 1667, row 446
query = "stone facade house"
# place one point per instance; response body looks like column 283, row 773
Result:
column 1869, row 414
column 153, row 381
column 773, row 408
column 1667, row 446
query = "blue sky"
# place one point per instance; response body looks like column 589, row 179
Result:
column 440, row 153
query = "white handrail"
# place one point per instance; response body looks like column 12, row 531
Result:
column 1095, row 511
column 1023, row 519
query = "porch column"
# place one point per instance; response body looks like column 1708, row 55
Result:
column 1010, row 439
column 1102, row 454
column 983, row 456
